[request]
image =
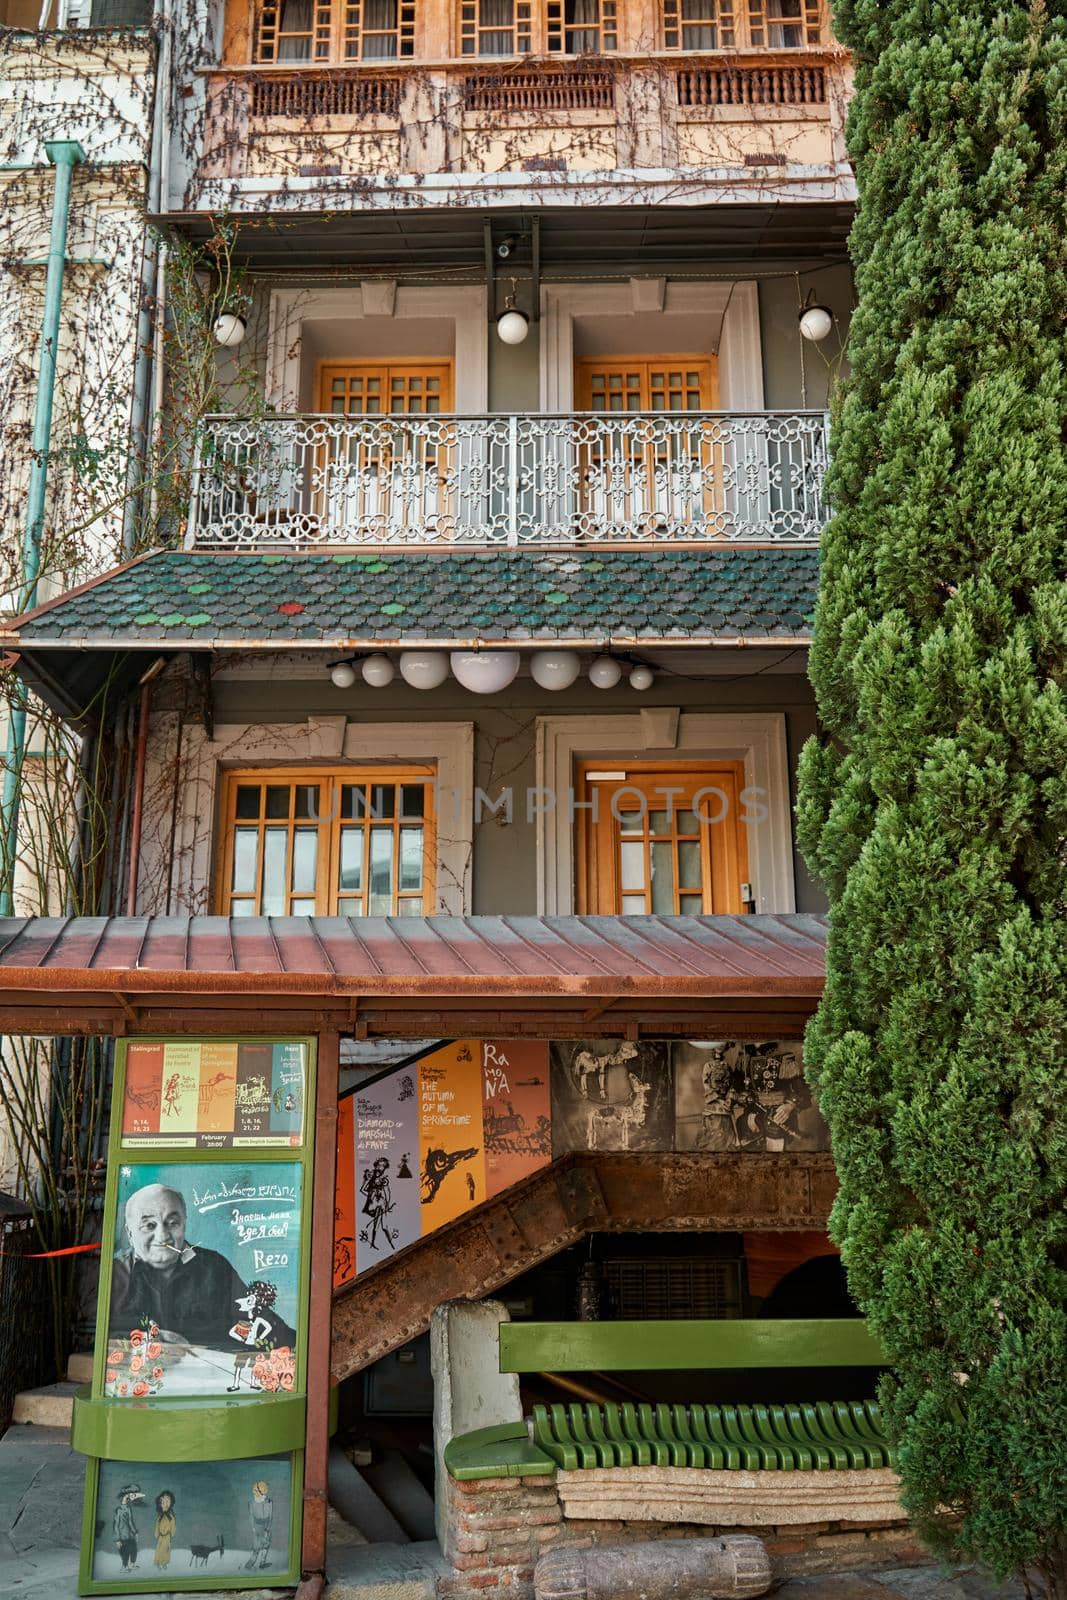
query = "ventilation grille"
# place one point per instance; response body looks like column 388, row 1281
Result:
column 752, row 86
column 326, row 95
column 689, row 1286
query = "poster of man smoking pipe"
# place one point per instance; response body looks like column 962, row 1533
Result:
column 204, row 1280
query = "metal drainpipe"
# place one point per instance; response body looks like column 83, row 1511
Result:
column 64, row 155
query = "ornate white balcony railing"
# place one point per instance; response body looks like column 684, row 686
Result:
column 647, row 477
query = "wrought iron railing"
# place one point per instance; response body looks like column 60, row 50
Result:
column 645, row 477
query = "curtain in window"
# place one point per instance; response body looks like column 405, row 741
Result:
column 582, row 27
column 699, row 32
column 785, row 25
column 294, row 17
column 379, row 29
column 497, row 15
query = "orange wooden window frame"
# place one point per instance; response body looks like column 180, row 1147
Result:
column 537, row 27
column 723, row 844
column 644, row 367
column 329, row 900
column 443, row 370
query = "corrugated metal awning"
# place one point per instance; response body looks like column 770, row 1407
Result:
column 443, row 973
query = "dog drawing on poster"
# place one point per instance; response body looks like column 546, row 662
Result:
column 608, row 1095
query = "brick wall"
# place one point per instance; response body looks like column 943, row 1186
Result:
column 497, row 1528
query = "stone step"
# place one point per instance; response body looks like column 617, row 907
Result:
column 51, row 1406
column 387, row 1572
column 80, row 1366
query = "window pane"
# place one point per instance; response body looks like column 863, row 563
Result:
column 409, row 908
column 307, row 801
column 412, row 800
column 411, row 858
column 688, row 822
column 381, row 872
column 245, row 860
column 247, row 800
column 302, row 908
column 305, row 859
column 278, row 799
column 383, row 801
column 660, row 822
column 663, row 879
column 352, row 800
column 633, row 905
column 632, row 864
column 352, row 860
column 630, row 821
column 275, row 843
column 689, row 872
column 692, row 905
column 242, row 908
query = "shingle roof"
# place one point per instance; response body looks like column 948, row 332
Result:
column 182, row 598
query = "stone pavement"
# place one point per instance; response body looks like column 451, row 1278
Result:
column 40, row 1529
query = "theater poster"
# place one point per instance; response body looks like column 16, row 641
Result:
column 205, row 1279
column 214, row 1094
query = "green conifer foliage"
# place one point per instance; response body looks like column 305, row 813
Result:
column 935, row 807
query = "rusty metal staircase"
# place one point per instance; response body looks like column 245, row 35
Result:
column 607, row 1192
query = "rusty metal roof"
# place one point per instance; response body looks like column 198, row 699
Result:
column 416, row 956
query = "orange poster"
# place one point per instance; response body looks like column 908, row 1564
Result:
column 451, row 1141
column 144, row 1088
column 181, row 1087
column 344, row 1205
column 516, row 1110
column 218, row 1084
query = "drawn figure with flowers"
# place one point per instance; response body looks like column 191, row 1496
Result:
column 255, row 1330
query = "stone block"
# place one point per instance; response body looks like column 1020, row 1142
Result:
column 689, row 1569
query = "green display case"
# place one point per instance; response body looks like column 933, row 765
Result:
column 194, row 1423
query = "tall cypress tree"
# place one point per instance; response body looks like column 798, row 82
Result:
column 934, row 807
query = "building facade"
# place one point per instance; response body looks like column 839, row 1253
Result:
column 490, row 597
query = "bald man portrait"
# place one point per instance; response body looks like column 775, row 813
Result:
column 188, row 1291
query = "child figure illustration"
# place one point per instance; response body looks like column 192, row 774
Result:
column 261, row 1513
column 124, row 1525
column 165, row 1529
column 255, row 1330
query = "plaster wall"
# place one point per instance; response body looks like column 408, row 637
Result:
column 504, row 873
column 798, row 375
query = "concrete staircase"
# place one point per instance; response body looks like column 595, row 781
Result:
column 52, row 1405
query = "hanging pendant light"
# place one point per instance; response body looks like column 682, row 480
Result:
column 512, row 325
column 816, row 320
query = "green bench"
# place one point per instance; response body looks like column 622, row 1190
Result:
column 825, row 1435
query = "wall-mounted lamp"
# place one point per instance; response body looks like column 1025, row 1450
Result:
column 512, row 325
column 230, row 329
column 506, row 246
column 342, row 674
column 378, row 671
column 816, row 320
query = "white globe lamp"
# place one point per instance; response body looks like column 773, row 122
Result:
column 230, row 329
column 343, row 674
column 816, row 322
column 423, row 669
column 555, row 669
column 605, row 672
column 641, row 677
column 485, row 671
column 378, row 671
column 512, row 326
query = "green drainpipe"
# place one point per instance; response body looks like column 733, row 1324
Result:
column 64, row 155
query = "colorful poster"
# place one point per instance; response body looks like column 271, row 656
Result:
column 451, row 1140
column 205, row 1280
column 214, row 1095
column 185, row 1519
column 516, row 1111
column 344, row 1204
column 143, row 1101
column 732, row 1095
column 611, row 1096
column 218, row 1084
column 388, row 1214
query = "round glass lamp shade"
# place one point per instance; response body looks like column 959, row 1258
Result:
column 555, row 669
column 641, row 677
column 378, row 671
column 816, row 322
column 605, row 672
column 485, row 671
column 423, row 669
column 512, row 327
column 230, row 329
column 343, row 675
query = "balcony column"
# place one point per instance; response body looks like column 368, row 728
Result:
column 645, row 117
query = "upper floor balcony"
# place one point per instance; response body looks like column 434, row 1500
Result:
column 310, row 99
column 298, row 482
